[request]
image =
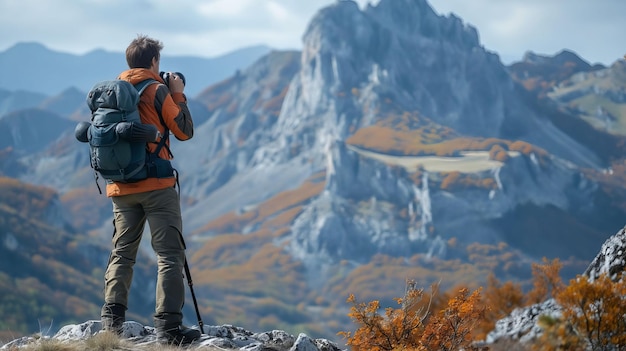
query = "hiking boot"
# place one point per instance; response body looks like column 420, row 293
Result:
column 113, row 316
column 177, row 335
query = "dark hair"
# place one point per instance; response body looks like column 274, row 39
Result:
column 142, row 50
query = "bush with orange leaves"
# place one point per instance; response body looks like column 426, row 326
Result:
column 593, row 316
column 505, row 297
column 412, row 327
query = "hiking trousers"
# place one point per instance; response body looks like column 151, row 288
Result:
column 161, row 209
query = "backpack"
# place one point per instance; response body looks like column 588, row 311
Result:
column 117, row 138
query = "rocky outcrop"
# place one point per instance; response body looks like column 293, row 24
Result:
column 226, row 337
column 521, row 324
column 357, row 217
column 611, row 260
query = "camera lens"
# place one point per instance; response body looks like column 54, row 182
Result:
column 181, row 76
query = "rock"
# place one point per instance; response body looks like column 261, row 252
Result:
column 521, row 324
column 225, row 337
column 611, row 259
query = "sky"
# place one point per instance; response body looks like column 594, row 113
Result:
column 593, row 29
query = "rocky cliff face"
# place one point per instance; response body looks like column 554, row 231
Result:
column 357, row 67
column 400, row 53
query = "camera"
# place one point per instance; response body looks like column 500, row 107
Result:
column 166, row 77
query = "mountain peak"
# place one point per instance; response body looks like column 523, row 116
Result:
column 559, row 59
column 27, row 47
column 417, row 17
column 33, row 67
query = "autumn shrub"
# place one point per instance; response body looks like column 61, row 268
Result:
column 592, row 315
column 595, row 311
column 453, row 328
column 415, row 325
column 401, row 327
column 557, row 334
column 502, row 299
column 455, row 181
column 547, row 281
column 498, row 153
column 450, row 179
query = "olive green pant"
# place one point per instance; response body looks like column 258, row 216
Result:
column 161, row 208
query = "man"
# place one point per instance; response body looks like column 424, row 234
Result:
column 154, row 200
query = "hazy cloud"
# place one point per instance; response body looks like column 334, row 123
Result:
column 591, row 28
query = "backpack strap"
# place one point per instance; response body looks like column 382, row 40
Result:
column 158, row 106
column 161, row 144
column 141, row 86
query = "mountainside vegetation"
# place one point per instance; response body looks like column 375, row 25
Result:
column 47, row 277
column 50, row 274
column 592, row 315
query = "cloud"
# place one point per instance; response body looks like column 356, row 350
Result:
column 593, row 29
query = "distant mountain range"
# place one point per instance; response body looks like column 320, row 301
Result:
column 34, row 68
column 394, row 146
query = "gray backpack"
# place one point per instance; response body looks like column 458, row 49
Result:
column 117, row 138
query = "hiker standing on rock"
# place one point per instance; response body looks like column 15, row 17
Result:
column 153, row 199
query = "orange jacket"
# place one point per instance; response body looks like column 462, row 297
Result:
column 175, row 115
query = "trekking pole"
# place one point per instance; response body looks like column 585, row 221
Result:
column 193, row 296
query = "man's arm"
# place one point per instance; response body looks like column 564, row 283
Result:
column 175, row 113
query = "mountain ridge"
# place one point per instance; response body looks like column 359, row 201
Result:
column 33, row 67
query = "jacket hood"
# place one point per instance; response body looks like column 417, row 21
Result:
column 136, row 75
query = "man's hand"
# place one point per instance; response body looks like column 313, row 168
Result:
column 175, row 84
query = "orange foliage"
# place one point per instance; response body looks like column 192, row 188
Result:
column 274, row 104
column 611, row 183
column 411, row 134
column 402, row 327
column 592, row 314
column 87, row 211
column 595, row 310
column 452, row 328
column 498, row 153
column 546, row 281
column 457, row 180
column 405, row 133
column 26, row 198
column 413, row 326
column 450, row 178
column 277, row 211
column 527, row 149
column 502, row 300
